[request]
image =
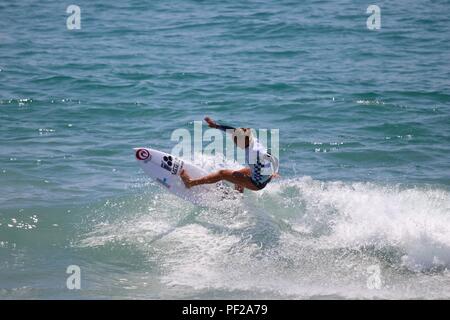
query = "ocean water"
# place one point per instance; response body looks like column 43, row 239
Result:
column 362, row 208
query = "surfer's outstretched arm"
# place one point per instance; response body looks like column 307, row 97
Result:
column 212, row 124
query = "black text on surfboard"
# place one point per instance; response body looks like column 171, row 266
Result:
column 170, row 164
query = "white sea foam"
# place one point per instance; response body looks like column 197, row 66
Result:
column 297, row 238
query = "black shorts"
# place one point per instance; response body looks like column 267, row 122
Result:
column 260, row 185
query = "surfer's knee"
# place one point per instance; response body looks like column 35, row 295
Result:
column 238, row 174
column 225, row 172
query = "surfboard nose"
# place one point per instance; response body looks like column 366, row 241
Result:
column 142, row 154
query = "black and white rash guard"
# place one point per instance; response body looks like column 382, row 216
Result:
column 262, row 164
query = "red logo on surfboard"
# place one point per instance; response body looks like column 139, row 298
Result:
column 142, row 154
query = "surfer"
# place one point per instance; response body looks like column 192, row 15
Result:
column 255, row 176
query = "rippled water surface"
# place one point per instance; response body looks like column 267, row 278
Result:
column 364, row 120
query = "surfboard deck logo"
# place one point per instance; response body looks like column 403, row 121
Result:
column 143, row 154
column 171, row 164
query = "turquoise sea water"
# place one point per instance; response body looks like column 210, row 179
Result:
column 364, row 120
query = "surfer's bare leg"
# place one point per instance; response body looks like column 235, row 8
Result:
column 239, row 177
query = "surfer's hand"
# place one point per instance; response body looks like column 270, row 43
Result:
column 276, row 175
column 211, row 123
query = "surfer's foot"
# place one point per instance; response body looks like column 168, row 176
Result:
column 186, row 179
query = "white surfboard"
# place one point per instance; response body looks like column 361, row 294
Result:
column 165, row 169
